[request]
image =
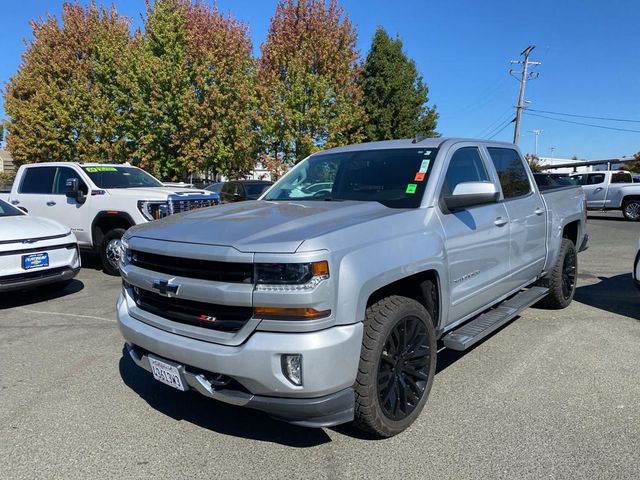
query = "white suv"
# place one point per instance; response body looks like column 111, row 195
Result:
column 99, row 202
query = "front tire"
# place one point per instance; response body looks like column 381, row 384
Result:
column 631, row 209
column 109, row 251
column 397, row 366
column 562, row 279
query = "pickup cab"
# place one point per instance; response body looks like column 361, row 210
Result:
column 611, row 190
column 98, row 202
column 325, row 307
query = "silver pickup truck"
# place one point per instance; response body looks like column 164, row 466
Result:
column 324, row 308
column 611, row 190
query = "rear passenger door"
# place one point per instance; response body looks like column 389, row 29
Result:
column 527, row 216
column 476, row 238
column 34, row 190
column 594, row 186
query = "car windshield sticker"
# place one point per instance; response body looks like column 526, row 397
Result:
column 424, row 166
column 411, row 188
column 101, row 169
column 419, row 177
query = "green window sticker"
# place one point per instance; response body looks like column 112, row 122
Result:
column 101, row 169
column 411, row 188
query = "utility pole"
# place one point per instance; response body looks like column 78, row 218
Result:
column 537, row 134
column 553, row 149
column 523, row 80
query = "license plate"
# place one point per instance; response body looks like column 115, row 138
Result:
column 166, row 373
column 36, row 260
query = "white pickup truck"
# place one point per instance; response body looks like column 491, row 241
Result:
column 99, row 202
column 611, row 190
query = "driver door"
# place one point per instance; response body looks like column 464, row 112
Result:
column 67, row 210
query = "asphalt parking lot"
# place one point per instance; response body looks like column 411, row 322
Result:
column 554, row 394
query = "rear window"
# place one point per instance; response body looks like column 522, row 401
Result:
column 621, row 177
column 255, row 189
column 38, row 180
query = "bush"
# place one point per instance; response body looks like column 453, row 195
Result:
column 6, row 180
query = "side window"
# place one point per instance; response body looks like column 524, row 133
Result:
column 226, row 188
column 621, row 178
column 60, row 184
column 595, row 178
column 38, row 180
column 511, row 171
column 465, row 166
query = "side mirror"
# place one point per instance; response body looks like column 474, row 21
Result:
column 73, row 190
column 468, row 194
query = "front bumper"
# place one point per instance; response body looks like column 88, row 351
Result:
column 36, row 279
column 636, row 270
column 330, row 364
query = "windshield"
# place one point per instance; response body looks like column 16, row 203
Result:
column 120, row 177
column 7, row 210
column 255, row 189
column 395, row 177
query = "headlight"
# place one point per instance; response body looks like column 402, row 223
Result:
column 125, row 252
column 153, row 209
column 291, row 273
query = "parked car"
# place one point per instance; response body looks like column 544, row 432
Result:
column 636, row 267
column 214, row 187
column 611, row 190
column 35, row 251
column 241, row 190
column 98, row 202
column 327, row 308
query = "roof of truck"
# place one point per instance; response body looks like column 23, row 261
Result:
column 430, row 142
column 80, row 164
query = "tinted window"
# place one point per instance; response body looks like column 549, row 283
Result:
column 38, row 180
column 511, row 171
column 394, row 177
column 60, row 184
column 621, row 178
column 595, row 178
column 255, row 189
column 465, row 166
column 547, row 182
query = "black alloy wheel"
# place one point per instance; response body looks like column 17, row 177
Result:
column 569, row 274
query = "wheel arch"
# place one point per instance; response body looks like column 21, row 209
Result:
column 106, row 221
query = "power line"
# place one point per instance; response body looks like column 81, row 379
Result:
column 502, row 128
column 500, row 119
column 585, row 116
column 582, row 123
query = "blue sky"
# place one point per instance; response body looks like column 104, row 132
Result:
column 590, row 52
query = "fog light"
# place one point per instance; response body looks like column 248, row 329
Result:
column 292, row 368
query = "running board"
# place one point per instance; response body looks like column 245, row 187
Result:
column 488, row 322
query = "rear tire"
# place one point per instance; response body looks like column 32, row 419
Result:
column 109, row 251
column 631, row 209
column 397, row 366
column 562, row 279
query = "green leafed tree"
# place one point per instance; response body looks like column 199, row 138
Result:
column 62, row 102
column 191, row 91
column 395, row 95
column 308, row 93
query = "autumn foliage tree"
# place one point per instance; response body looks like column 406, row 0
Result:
column 62, row 102
column 308, row 93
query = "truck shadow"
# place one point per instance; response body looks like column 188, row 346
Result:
column 216, row 416
column 38, row 295
column 607, row 218
column 615, row 294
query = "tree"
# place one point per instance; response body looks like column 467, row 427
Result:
column 395, row 95
column 191, row 91
column 61, row 103
column 307, row 82
column 633, row 165
column 534, row 162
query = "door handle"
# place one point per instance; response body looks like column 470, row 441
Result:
column 51, row 203
column 538, row 211
column 15, row 202
column 499, row 222
column 597, row 190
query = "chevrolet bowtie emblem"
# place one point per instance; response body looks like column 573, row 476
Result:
column 165, row 288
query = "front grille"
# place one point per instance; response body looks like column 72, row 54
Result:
column 179, row 206
column 37, row 275
column 215, row 317
column 230, row 272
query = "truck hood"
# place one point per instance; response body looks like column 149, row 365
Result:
column 26, row 227
column 156, row 193
column 261, row 226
